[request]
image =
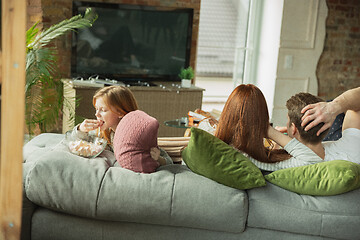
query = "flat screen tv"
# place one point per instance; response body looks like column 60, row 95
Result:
column 132, row 43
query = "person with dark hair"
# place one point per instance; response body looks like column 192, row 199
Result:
column 346, row 148
column 294, row 105
column 294, row 129
column 326, row 112
column 244, row 124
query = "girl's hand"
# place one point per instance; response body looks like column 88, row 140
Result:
column 281, row 129
column 280, row 138
column 155, row 154
column 88, row 125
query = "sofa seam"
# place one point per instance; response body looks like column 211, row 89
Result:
column 98, row 192
column 27, row 181
column 322, row 225
column 172, row 195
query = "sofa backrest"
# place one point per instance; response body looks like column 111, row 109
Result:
column 94, row 188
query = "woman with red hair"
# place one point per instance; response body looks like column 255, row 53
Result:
column 244, row 124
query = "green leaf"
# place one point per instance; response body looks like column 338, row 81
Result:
column 61, row 28
column 186, row 73
column 30, row 34
column 43, row 88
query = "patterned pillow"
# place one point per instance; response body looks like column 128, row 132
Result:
column 135, row 135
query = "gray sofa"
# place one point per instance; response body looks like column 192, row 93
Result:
column 68, row 197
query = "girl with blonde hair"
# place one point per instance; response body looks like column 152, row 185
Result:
column 112, row 103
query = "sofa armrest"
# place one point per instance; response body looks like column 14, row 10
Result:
column 65, row 182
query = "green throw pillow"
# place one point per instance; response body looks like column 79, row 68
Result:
column 212, row 158
column 322, row 179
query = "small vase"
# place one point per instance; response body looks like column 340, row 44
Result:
column 186, row 83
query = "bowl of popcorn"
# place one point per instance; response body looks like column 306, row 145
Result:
column 89, row 147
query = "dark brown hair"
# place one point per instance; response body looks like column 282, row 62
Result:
column 244, row 124
column 294, row 105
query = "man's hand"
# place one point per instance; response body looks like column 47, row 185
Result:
column 317, row 113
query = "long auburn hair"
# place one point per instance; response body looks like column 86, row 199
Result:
column 120, row 100
column 244, row 123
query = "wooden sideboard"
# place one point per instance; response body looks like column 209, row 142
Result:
column 165, row 101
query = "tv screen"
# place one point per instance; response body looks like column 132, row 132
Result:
column 132, row 43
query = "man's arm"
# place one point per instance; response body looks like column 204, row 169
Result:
column 326, row 112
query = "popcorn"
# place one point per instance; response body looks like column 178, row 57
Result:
column 85, row 148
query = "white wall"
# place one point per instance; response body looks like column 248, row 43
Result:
column 301, row 44
column 217, row 90
column 266, row 56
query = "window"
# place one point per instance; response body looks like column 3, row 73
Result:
column 224, row 49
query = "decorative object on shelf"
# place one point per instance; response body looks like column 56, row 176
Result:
column 186, row 75
column 43, row 89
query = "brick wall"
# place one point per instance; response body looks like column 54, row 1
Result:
column 339, row 65
column 50, row 12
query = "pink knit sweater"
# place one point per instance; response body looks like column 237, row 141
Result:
column 135, row 135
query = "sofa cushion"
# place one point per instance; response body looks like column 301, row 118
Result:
column 50, row 225
column 39, row 145
column 173, row 195
column 66, row 182
column 323, row 179
column 210, row 157
column 135, row 135
column 275, row 208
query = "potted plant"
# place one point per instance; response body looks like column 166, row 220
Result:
column 43, row 88
column 186, row 75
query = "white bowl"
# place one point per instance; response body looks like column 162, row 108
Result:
column 90, row 147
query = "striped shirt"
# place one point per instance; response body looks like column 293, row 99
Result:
column 301, row 156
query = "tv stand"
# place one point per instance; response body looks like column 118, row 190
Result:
column 166, row 100
column 139, row 83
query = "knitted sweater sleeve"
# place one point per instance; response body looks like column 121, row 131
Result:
column 76, row 133
column 301, row 156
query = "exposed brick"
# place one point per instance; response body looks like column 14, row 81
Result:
column 339, row 66
column 354, row 36
column 342, row 8
column 340, row 21
column 34, row 10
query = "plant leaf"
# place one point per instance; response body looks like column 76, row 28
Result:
column 43, row 88
column 61, row 28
